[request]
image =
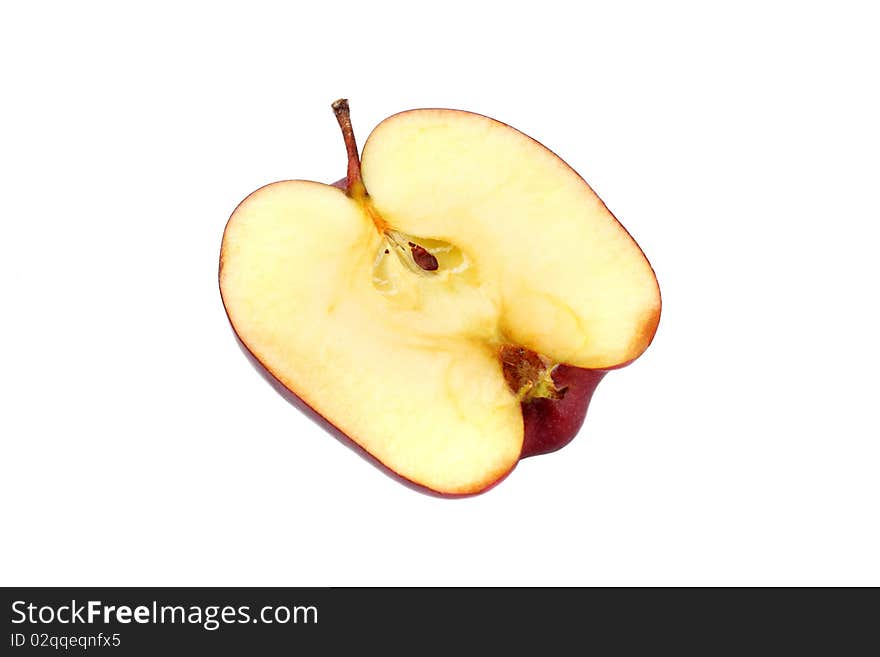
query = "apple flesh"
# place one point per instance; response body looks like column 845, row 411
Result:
column 451, row 307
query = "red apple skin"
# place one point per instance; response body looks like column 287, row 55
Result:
column 550, row 424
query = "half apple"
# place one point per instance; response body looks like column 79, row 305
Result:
column 424, row 304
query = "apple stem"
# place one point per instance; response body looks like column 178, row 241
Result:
column 354, row 183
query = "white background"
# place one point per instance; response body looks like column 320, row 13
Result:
column 740, row 148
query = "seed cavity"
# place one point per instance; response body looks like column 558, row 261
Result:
column 404, row 261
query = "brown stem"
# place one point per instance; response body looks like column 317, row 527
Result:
column 354, row 183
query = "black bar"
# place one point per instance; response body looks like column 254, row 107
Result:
column 134, row 621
